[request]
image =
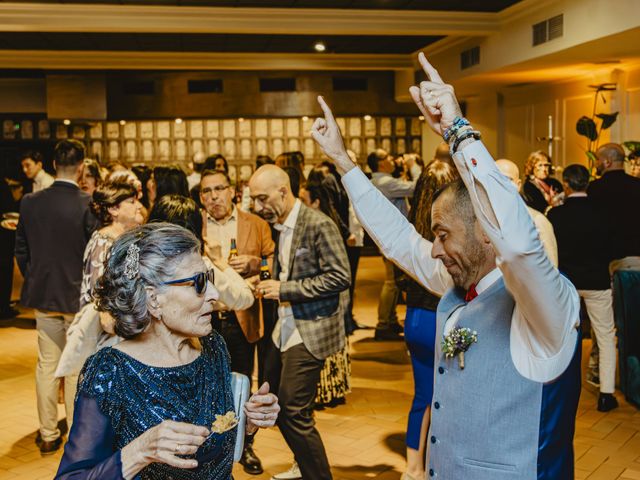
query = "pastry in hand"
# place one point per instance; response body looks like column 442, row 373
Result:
column 224, row 422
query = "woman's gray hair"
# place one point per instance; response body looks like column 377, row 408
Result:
column 161, row 247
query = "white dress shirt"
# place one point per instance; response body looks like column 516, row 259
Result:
column 223, row 231
column 546, row 313
column 235, row 292
column 42, row 180
column 285, row 333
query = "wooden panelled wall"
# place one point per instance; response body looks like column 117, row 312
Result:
column 240, row 140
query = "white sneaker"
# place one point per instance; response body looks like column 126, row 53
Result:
column 292, row 474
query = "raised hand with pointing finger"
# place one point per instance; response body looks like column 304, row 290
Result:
column 435, row 99
column 326, row 133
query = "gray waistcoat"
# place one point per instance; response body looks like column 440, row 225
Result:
column 488, row 422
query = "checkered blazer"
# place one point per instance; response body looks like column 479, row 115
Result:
column 319, row 279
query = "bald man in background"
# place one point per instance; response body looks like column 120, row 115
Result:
column 311, row 279
column 544, row 227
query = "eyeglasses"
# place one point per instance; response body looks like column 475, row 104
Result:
column 199, row 281
column 216, row 189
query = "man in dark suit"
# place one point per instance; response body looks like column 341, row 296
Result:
column 584, row 238
column 55, row 225
column 619, row 194
column 311, row 280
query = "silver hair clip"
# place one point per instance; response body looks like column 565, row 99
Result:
column 132, row 262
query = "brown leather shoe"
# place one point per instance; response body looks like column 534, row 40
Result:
column 48, row 448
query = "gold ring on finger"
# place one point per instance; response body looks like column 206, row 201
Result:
column 177, row 449
column 431, row 94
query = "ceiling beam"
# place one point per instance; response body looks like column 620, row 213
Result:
column 99, row 60
column 60, row 17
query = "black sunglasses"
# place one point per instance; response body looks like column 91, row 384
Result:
column 199, row 281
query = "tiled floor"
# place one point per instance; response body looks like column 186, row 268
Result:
column 364, row 438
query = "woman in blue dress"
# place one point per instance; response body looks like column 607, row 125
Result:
column 420, row 322
column 152, row 406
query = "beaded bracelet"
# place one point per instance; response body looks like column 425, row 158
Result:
column 462, row 137
column 457, row 124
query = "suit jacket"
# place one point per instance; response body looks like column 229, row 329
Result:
column 54, row 228
column 254, row 238
column 619, row 194
column 583, row 234
column 318, row 282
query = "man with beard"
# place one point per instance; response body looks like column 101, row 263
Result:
column 310, row 281
column 506, row 408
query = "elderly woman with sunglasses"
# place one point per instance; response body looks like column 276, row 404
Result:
column 146, row 407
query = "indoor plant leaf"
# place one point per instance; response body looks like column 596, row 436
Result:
column 608, row 119
column 587, row 128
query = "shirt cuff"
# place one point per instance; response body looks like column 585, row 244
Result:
column 477, row 159
column 356, row 183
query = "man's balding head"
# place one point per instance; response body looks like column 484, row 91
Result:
column 510, row 170
column 271, row 192
column 609, row 157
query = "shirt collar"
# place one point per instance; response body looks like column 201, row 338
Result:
column 233, row 216
column 577, row 194
column 488, row 280
column 292, row 218
column 65, row 180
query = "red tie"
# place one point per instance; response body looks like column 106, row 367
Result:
column 471, row 293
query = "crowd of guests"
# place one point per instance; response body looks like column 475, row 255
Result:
column 270, row 267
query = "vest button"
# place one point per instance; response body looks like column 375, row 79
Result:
column 440, row 370
column 436, row 405
column 431, row 472
column 433, row 439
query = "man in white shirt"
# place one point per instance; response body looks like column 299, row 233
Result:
column 397, row 191
column 32, row 167
column 505, row 403
column 544, row 227
column 311, row 281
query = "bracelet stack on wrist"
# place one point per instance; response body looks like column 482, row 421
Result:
column 458, row 123
column 458, row 132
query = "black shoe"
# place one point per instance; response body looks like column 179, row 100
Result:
column 48, row 448
column 607, row 402
column 250, row 462
column 397, row 328
column 8, row 313
column 387, row 335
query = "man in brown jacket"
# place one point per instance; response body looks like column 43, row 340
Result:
column 241, row 329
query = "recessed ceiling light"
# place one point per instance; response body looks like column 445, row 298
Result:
column 123, row 122
column 305, row 118
column 241, row 119
column 421, row 118
column 367, row 118
column 66, row 121
column 319, row 47
column 178, row 121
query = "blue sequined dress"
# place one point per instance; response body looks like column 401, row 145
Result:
column 119, row 398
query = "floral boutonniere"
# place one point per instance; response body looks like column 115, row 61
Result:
column 457, row 342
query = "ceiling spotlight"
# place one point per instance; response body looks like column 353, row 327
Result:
column 241, row 119
column 66, row 121
column 178, row 121
column 421, row 118
column 367, row 118
column 320, row 47
column 305, row 119
column 123, row 122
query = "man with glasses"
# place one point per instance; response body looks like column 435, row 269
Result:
column 241, row 329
